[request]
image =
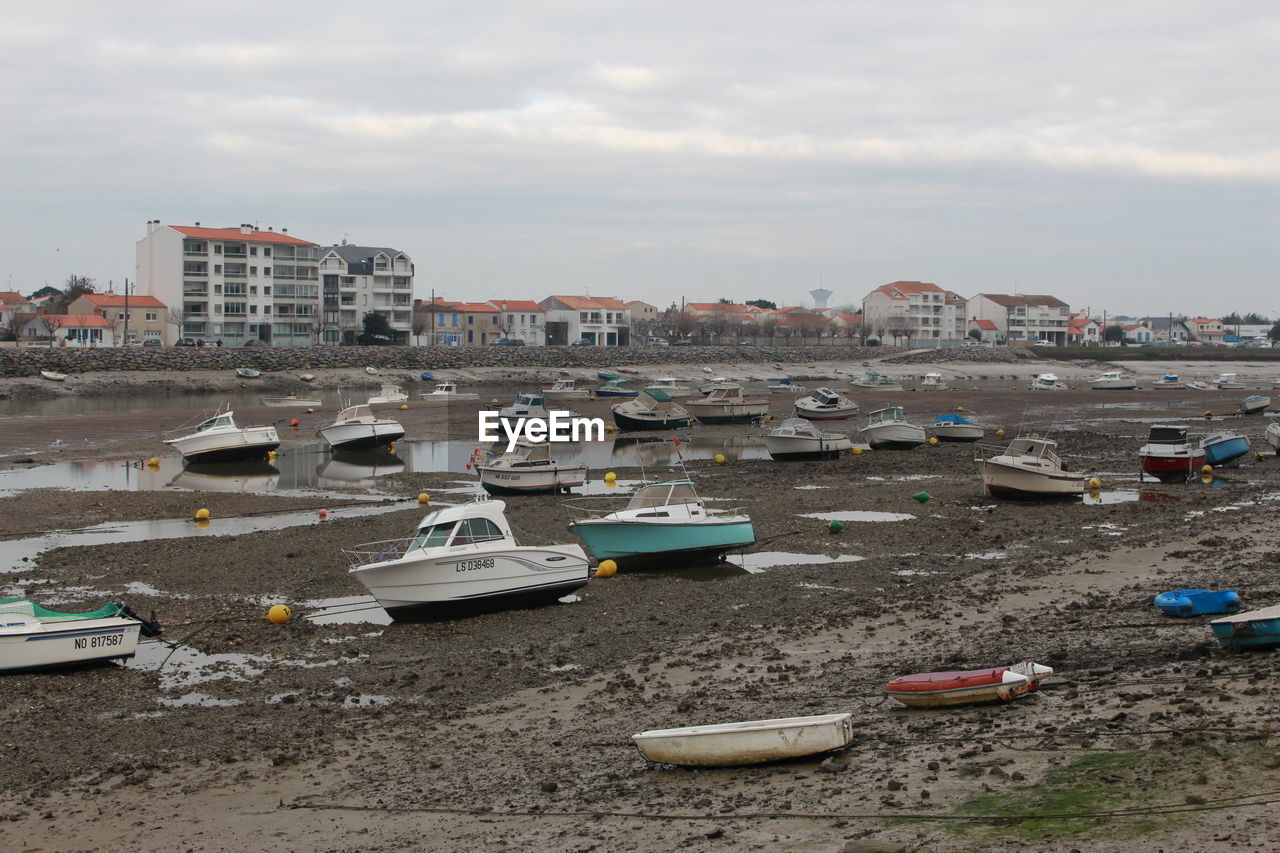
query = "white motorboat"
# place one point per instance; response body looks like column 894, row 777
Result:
column 751, row 742
column 1272, row 435
column 651, row 409
column 32, row 637
column 525, row 406
column 1167, row 382
column 1169, row 455
column 1113, row 380
column 932, row 382
column 823, row 404
column 1048, row 382
column 1227, row 381
column 953, row 427
column 529, row 469
column 358, row 428
column 372, row 371
column 788, row 387
column 447, row 392
column 870, row 380
column 670, row 386
column 727, row 404
column 796, row 438
column 1254, row 403
column 713, row 384
column 54, row 376
column 291, row 400
column 662, row 522
column 565, row 389
column 465, row 559
column 887, row 429
column 1030, row 468
column 220, row 439
column 388, row 394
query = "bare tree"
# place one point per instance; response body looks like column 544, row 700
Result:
column 900, row 329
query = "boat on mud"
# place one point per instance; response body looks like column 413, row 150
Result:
column 727, row 403
column 465, row 559
column 566, row 389
column 1029, row 468
column 1113, row 380
column 1272, row 435
column 651, row 410
column 447, row 392
column 388, row 394
column 54, row 376
column 1198, row 602
column 358, row 428
column 932, row 382
column 1169, row 455
column 1223, row 446
column 32, row 637
column 1170, row 381
column 670, row 386
column 1227, row 382
column 291, row 400
column 870, row 380
column 529, row 469
column 968, row 687
column 955, row 427
column 823, row 404
column 248, row 373
column 1254, row 404
column 887, row 429
column 750, row 742
column 1048, row 382
column 616, row 388
column 1252, row 629
column 220, row 439
column 796, row 438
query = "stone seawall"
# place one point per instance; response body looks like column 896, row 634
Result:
column 29, row 362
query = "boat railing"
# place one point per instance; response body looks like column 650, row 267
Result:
column 377, row 552
column 598, row 506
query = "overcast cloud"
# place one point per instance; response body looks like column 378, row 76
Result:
column 1120, row 156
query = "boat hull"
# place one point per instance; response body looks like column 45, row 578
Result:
column 826, row 414
column 894, row 436
column 1172, row 468
column 608, row 539
column 958, row 432
column 30, row 644
column 734, row 413
column 752, row 742
column 361, row 436
column 803, row 447
column 973, row 687
column 248, row 443
column 1226, row 450
column 1272, row 436
column 511, row 481
column 1253, row 405
column 1113, row 385
column 1198, row 602
column 1255, row 630
column 629, row 423
column 1011, row 481
column 471, row 581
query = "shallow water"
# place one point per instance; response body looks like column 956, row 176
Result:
column 760, row 561
column 858, row 515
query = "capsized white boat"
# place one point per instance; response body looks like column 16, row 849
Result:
column 447, row 392
column 1272, row 435
column 529, row 469
column 823, row 404
column 887, row 429
column 1048, row 382
column 32, row 637
column 388, row 394
column 1254, row 403
column 291, row 400
column 796, row 438
column 358, row 428
column 727, row 404
column 750, row 742
column 465, row 559
column 1030, row 468
column 220, row 439
column 1113, row 380
column 565, row 389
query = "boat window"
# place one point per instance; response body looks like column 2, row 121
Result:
column 473, row 530
column 433, row 536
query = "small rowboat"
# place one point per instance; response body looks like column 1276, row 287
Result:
column 372, row 371
column 32, row 637
column 291, row 400
column 968, row 687
column 53, row 375
column 1255, row 629
column 248, row 372
column 752, row 742
column 1198, row 602
column 1254, row 403
column 307, row 377
column 426, row 376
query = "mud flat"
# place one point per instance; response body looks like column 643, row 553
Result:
column 512, row 730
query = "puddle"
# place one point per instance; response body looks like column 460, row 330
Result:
column 858, row 515
column 807, row 488
column 987, row 555
column 185, row 666
column 200, row 700
column 1110, row 497
column 763, row 560
column 15, row 552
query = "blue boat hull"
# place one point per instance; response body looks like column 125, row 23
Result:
column 603, row 393
column 1245, row 635
column 636, row 541
column 1198, row 602
column 1225, row 451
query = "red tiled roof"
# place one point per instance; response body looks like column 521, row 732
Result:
column 62, row 320
column 235, row 235
column 581, row 303
column 116, row 300
column 986, row 325
column 476, row 308
column 611, row 303
column 901, row 289
column 516, row 305
column 11, row 297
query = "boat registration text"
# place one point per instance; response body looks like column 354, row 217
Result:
column 473, row 565
column 100, row 641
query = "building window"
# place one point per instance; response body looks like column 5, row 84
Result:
column 217, row 248
column 217, row 268
column 470, row 320
column 253, row 250
column 470, row 336
column 266, row 309
column 266, row 251
column 266, row 290
column 153, row 316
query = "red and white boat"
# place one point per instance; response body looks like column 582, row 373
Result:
column 1169, row 456
column 968, row 687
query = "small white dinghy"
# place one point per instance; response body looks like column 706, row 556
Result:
column 54, row 376
column 752, row 742
column 32, row 637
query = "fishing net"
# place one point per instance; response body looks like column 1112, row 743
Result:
column 27, row 607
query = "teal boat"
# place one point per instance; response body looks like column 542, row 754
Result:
column 663, row 521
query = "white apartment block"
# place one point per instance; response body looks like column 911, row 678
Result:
column 358, row 280
column 522, row 320
column 1023, row 318
column 914, row 312
column 598, row 321
column 233, row 284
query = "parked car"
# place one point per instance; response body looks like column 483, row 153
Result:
column 583, row 342
column 1044, row 344
column 185, row 342
column 506, row 342
column 746, row 343
column 658, row 342
column 151, row 342
column 683, row 343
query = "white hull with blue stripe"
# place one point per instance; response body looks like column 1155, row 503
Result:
column 28, row 643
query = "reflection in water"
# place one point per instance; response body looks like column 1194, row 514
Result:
column 248, row 476
column 359, row 467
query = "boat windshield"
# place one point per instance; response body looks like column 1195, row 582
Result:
column 433, row 537
column 663, row 494
column 352, row 412
column 223, row 420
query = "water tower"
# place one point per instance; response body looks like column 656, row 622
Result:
column 820, row 297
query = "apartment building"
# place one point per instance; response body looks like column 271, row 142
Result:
column 1207, row 330
column 357, row 280
column 914, row 312
column 1025, row 318
column 233, row 284
column 521, row 320
column 145, row 317
column 600, row 321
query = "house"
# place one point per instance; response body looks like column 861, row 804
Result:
column 1083, row 331
column 522, row 320
column 984, row 330
column 1137, row 333
column 67, row 330
column 917, row 311
column 478, row 324
column 438, row 321
column 233, row 284
column 798, row 321
column 359, row 280
column 133, row 317
column 1023, row 317
column 1167, row 329
column 1209, row 331
column 600, row 321
column 848, row 325
column 646, row 319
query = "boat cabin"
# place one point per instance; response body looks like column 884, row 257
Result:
column 826, row 397
column 469, row 524
column 225, row 420
column 1163, row 434
column 1037, row 448
column 797, row 427
column 527, row 455
column 728, row 392
column 677, row 493
column 352, row 413
column 889, row 414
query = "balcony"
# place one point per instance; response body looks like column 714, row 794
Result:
column 194, row 254
column 186, row 314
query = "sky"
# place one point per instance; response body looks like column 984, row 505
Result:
column 1121, row 156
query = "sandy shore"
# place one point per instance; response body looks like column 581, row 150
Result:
column 512, row 730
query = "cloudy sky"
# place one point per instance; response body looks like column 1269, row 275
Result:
column 1122, row 156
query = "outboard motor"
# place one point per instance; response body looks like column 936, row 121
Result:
column 150, row 627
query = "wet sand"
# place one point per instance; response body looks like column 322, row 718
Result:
column 512, row 729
